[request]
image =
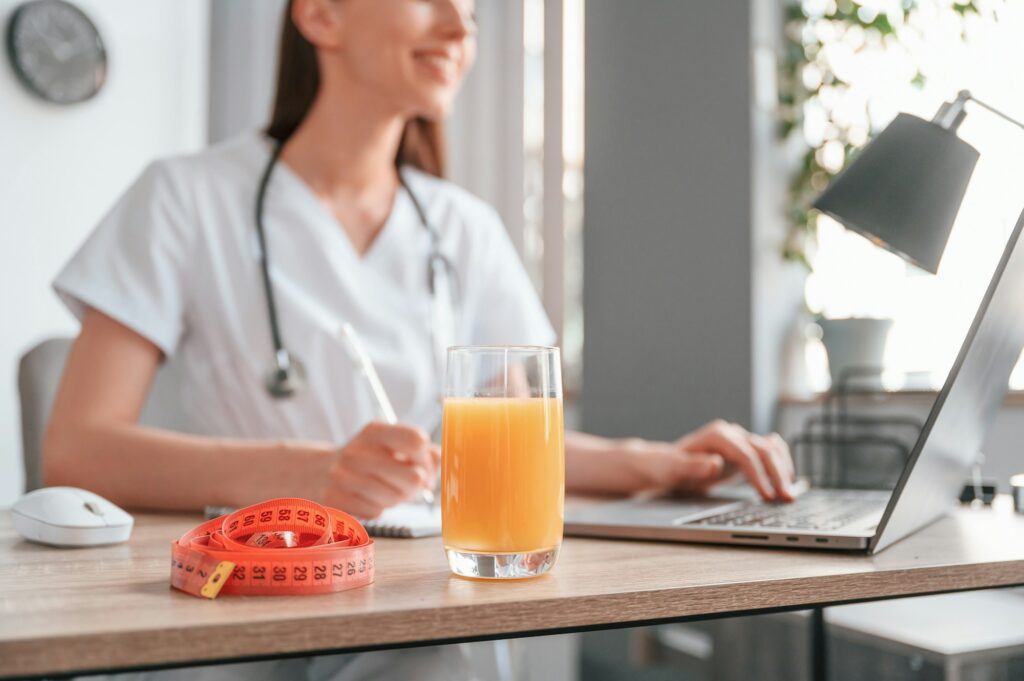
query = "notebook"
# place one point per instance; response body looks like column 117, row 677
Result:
column 411, row 520
column 408, row 521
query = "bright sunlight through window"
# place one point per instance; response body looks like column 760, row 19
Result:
column 852, row 278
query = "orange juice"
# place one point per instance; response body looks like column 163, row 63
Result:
column 502, row 474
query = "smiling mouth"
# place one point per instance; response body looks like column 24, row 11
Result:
column 442, row 67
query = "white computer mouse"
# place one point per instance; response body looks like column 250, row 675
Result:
column 68, row 516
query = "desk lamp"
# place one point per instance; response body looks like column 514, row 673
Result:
column 904, row 190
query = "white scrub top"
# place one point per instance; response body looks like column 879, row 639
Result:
column 176, row 260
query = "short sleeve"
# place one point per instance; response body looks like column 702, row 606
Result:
column 132, row 266
column 504, row 306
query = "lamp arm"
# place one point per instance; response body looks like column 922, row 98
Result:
column 951, row 114
column 997, row 112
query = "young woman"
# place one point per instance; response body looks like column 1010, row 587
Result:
column 355, row 222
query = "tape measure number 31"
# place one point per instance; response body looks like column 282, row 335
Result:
column 278, row 547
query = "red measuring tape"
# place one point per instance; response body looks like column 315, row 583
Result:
column 278, row 547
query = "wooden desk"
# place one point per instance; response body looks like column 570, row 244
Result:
column 111, row 608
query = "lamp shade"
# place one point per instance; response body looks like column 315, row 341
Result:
column 903, row 191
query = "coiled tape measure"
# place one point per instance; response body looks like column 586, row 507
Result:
column 278, row 547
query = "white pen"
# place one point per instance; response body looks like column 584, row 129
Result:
column 362, row 360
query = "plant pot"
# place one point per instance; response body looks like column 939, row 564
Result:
column 857, row 342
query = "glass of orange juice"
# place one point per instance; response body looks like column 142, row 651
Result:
column 502, row 461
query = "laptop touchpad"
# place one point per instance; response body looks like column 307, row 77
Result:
column 658, row 512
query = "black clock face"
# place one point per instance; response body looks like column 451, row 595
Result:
column 56, row 51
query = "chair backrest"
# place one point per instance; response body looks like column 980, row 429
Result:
column 39, row 373
column 850, row 444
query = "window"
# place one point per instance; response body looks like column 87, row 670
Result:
column 925, row 61
column 518, row 143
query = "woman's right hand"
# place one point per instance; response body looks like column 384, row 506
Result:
column 381, row 466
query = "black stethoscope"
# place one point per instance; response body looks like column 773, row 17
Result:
column 288, row 374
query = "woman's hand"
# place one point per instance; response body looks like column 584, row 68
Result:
column 694, row 463
column 764, row 460
column 381, row 466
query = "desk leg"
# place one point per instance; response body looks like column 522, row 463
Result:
column 819, row 646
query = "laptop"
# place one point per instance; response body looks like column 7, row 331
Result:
column 853, row 519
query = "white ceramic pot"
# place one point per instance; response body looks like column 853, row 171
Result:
column 854, row 342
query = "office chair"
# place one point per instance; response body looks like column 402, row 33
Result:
column 39, row 373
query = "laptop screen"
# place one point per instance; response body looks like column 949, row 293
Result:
column 965, row 408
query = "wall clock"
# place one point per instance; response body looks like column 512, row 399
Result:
column 56, row 51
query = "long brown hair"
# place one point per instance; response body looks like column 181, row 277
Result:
column 298, row 80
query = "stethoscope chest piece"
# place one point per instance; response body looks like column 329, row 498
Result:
column 286, row 377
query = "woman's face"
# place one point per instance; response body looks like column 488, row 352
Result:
column 412, row 54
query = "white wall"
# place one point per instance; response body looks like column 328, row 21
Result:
column 62, row 167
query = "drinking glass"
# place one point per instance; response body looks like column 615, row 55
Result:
column 502, row 461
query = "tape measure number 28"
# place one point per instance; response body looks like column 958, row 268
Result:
column 278, row 547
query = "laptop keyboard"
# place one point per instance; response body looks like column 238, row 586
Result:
column 815, row 510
